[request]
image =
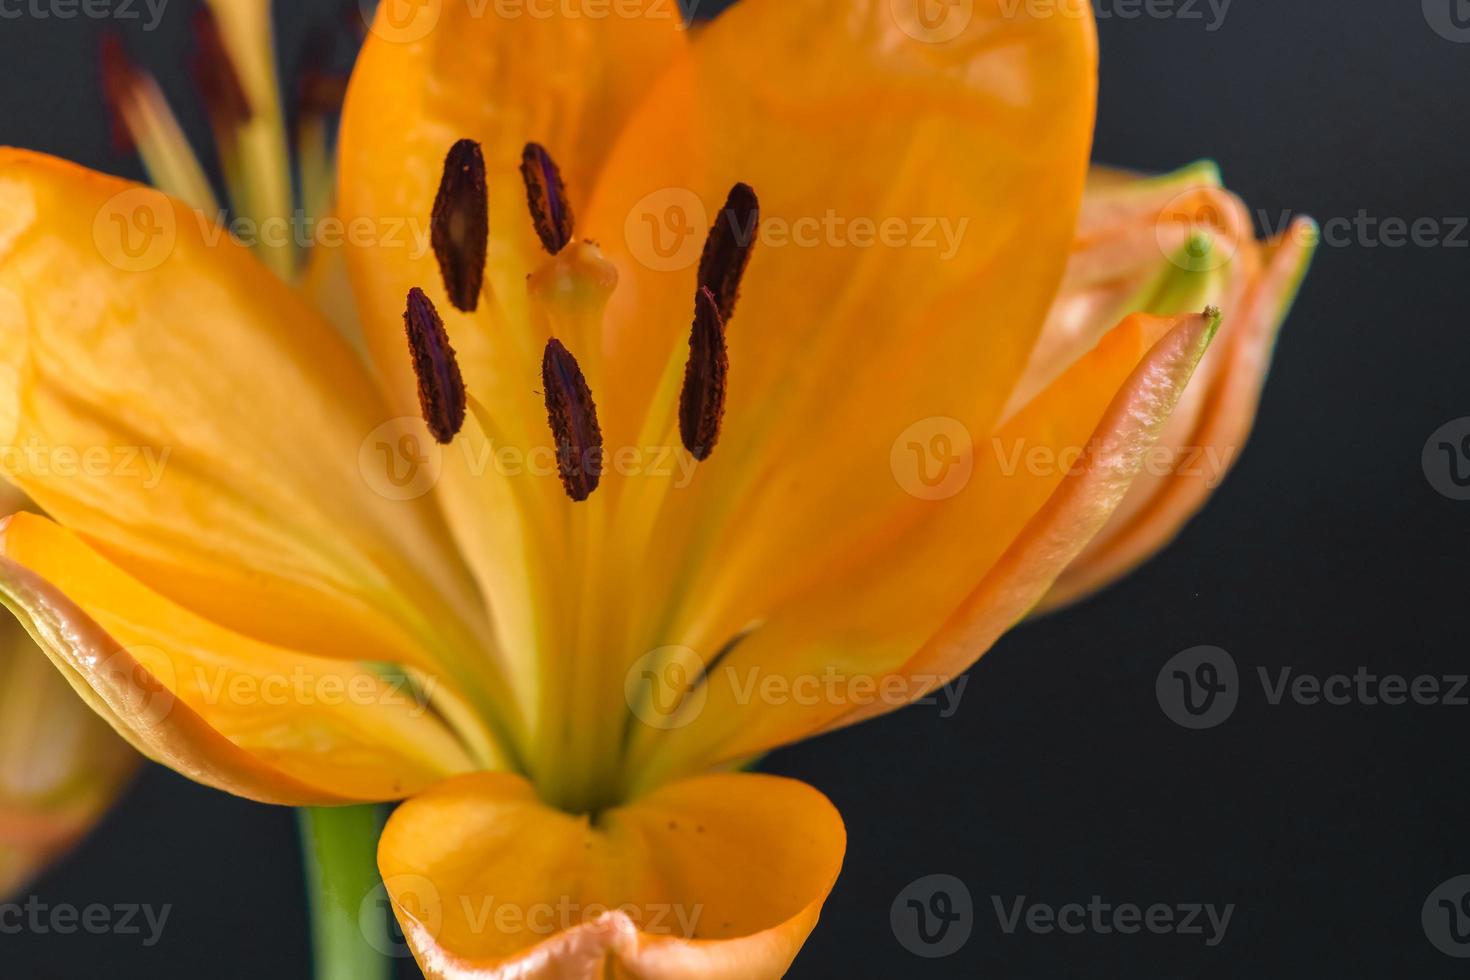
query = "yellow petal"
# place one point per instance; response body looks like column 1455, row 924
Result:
column 60, row 765
column 720, row 876
column 165, row 396
column 970, row 151
column 857, row 647
column 223, row 709
column 421, row 82
column 1202, row 454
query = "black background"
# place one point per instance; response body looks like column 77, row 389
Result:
column 1060, row 778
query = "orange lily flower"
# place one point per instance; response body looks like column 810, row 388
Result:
column 1166, row 245
column 60, row 765
column 545, row 570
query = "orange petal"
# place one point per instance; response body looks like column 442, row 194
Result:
column 918, row 188
column 60, row 765
column 164, row 395
column 719, row 876
column 1073, row 514
column 221, row 708
column 970, row 567
column 1158, row 508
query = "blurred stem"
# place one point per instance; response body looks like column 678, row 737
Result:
column 340, row 848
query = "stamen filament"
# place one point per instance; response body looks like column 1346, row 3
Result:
column 237, row 36
column 143, row 118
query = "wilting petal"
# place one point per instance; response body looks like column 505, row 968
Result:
column 853, row 648
column 719, row 876
column 165, row 396
column 221, row 708
column 60, row 765
column 1161, row 502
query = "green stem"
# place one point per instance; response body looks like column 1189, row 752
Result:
column 340, row 845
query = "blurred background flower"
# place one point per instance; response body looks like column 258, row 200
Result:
column 61, row 766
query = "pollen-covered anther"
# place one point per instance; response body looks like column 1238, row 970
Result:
column 546, row 196
column 573, row 418
column 702, row 399
column 215, row 73
column 727, row 249
column 442, row 397
column 460, row 224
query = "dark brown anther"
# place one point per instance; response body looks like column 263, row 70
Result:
column 546, row 196
column 442, row 397
column 728, row 247
column 460, row 224
column 214, row 72
column 702, row 400
column 119, row 79
column 573, row 418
